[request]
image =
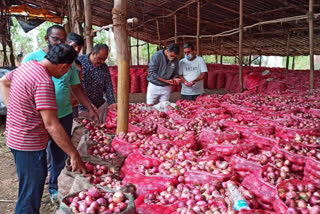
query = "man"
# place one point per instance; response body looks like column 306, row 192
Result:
column 28, row 92
column 163, row 72
column 192, row 70
column 96, row 78
column 56, row 157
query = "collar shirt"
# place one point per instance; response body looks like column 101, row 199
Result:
column 96, row 80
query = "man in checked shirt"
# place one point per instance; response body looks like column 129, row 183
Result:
column 96, row 77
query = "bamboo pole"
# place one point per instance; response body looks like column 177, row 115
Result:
column 240, row 43
column 158, row 32
column 137, row 46
column 293, row 62
column 198, row 28
column 88, row 25
column 121, row 40
column 260, row 61
column 216, row 58
column 311, row 43
column 175, row 30
column 288, row 52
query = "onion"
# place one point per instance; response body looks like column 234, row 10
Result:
column 118, row 197
column 314, row 200
column 83, row 206
column 292, row 210
column 94, row 192
column 302, row 204
column 102, row 201
column 315, row 209
column 88, row 200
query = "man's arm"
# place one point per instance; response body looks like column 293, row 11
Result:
column 79, row 93
column 61, row 138
column 5, row 89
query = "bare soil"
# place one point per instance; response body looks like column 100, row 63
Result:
column 8, row 175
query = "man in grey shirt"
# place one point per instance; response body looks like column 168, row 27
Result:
column 163, row 72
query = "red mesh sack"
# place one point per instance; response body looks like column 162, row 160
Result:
column 312, row 172
column 265, row 130
column 266, row 192
column 262, row 142
column 276, row 87
column 208, row 110
column 256, row 211
column 211, row 120
column 145, row 184
column 123, row 147
column 262, row 86
column 202, row 177
column 221, row 79
column 188, row 141
column 145, row 208
column 205, row 82
column 296, row 159
column 228, row 150
column 134, row 83
column 143, row 82
column 229, row 78
column 136, row 158
column 173, row 88
column 209, row 136
column 242, row 165
column 111, row 119
column 212, row 79
column 251, row 82
column 290, row 133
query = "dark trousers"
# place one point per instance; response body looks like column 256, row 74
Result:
column 32, row 171
column 56, row 156
column 189, row 97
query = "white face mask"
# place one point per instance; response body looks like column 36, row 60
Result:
column 189, row 56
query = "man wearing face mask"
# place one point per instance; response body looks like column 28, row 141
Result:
column 163, row 72
column 192, row 70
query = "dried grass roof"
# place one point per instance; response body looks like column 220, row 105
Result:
column 217, row 16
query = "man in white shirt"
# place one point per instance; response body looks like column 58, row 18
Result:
column 192, row 70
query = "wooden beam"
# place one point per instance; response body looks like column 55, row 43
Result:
column 198, row 28
column 292, row 68
column 130, row 51
column 260, row 61
column 121, row 40
column 148, row 52
column 175, row 30
column 288, row 52
column 158, row 32
column 88, row 25
column 311, row 38
column 240, row 43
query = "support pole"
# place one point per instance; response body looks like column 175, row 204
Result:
column 175, row 30
column 148, row 52
column 293, row 62
column 216, row 58
column 260, row 61
column 158, row 32
column 88, row 25
column 311, row 43
column 121, row 40
column 137, row 49
column 240, row 43
column 221, row 50
column 288, row 52
column 198, row 28
column 130, row 51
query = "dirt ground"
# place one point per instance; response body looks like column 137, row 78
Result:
column 8, row 175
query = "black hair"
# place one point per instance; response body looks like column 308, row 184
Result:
column 98, row 47
column 188, row 45
column 73, row 37
column 49, row 30
column 61, row 54
column 77, row 62
column 174, row 48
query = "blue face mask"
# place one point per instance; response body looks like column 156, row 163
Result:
column 188, row 57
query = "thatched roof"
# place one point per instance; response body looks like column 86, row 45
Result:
column 217, row 16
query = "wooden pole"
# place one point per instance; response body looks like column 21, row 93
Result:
column 293, row 62
column 221, row 50
column 148, row 52
column 175, row 30
column 311, row 43
column 158, row 32
column 88, row 25
column 216, row 58
column 198, row 28
column 121, row 40
column 137, row 49
column 260, row 61
column 240, row 43
column 288, row 52
column 130, row 51
column 221, row 61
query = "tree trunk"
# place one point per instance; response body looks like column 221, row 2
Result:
column 121, row 40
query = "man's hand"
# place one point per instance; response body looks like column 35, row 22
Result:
column 93, row 115
column 176, row 81
column 113, row 107
column 169, row 82
column 189, row 84
column 76, row 164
